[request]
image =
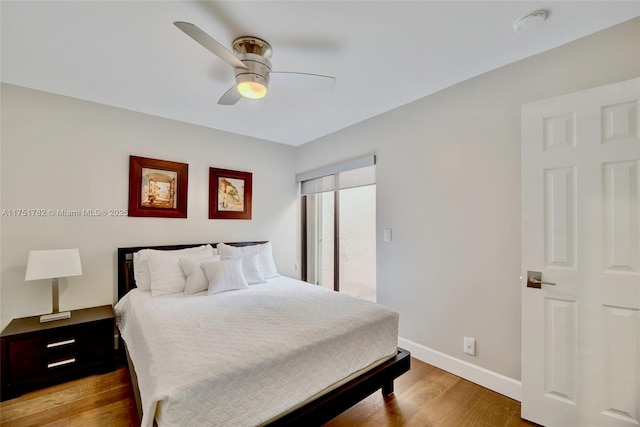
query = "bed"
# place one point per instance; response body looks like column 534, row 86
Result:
column 277, row 353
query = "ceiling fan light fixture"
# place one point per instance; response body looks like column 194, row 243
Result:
column 252, row 89
column 250, row 62
column 253, row 84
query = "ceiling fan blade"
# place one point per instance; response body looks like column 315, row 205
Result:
column 302, row 80
column 230, row 97
column 210, row 43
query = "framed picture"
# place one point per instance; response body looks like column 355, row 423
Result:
column 229, row 194
column 157, row 188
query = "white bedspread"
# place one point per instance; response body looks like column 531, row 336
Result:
column 241, row 358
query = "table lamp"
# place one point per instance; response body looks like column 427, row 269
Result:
column 53, row 264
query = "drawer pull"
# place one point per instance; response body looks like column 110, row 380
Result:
column 59, row 343
column 61, row 363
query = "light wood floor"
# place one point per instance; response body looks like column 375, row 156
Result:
column 424, row 396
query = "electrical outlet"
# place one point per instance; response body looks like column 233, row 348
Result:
column 470, row 346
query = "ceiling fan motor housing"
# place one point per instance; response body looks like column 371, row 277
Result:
column 254, row 54
column 258, row 68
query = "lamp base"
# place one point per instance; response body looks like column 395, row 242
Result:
column 55, row 316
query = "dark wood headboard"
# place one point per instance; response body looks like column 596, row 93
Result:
column 126, row 281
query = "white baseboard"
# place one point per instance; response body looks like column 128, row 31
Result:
column 476, row 374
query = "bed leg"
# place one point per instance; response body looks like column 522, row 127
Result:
column 387, row 388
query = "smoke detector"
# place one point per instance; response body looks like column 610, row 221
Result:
column 530, row 22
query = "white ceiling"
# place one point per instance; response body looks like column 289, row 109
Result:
column 384, row 54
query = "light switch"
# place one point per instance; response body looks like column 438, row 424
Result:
column 387, row 234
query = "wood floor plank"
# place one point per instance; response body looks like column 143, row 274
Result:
column 450, row 407
column 76, row 408
column 517, row 421
column 51, row 406
column 410, row 392
column 114, row 414
column 492, row 410
column 425, row 396
column 62, row 394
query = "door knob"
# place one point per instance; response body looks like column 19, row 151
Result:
column 534, row 280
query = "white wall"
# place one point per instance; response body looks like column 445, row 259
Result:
column 64, row 153
column 448, row 184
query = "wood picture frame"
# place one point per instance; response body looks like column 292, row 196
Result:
column 157, row 188
column 229, row 194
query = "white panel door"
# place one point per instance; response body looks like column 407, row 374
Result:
column 581, row 230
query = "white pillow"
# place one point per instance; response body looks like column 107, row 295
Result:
column 265, row 256
column 196, row 279
column 225, row 275
column 251, row 270
column 167, row 276
column 141, row 271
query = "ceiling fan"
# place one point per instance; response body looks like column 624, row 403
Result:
column 251, row 65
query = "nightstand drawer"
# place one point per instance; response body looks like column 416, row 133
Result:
column 65, row 349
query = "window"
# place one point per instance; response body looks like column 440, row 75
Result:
column 339, row 228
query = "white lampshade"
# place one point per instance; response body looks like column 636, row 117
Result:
column 54, row 263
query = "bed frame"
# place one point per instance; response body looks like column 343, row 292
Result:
column 318, row 411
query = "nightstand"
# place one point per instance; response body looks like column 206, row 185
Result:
column 36, row 354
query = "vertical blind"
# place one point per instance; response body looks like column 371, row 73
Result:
column 349, row 174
